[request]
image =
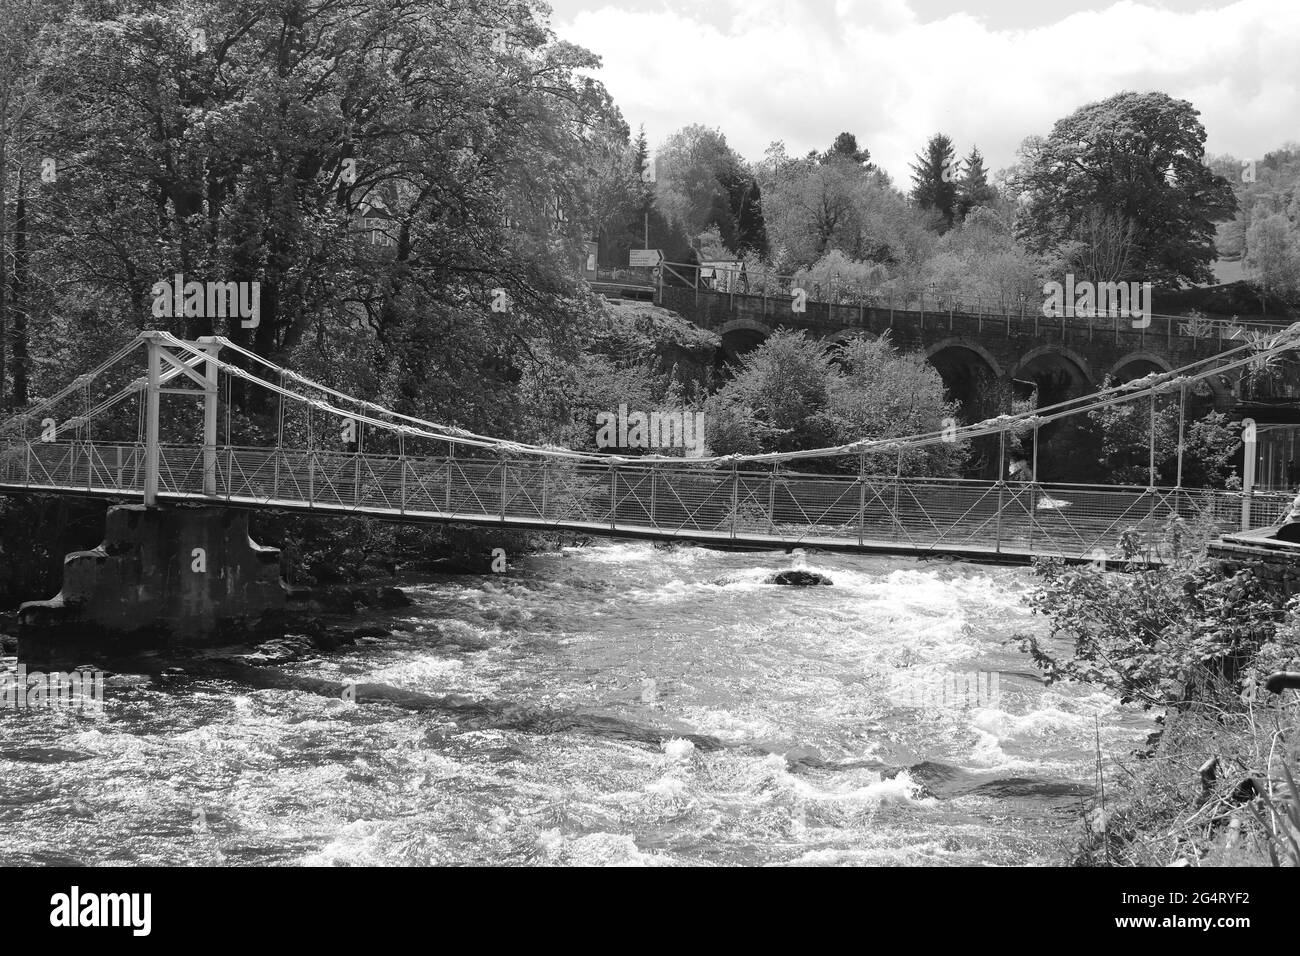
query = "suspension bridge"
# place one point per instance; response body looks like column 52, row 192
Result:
column 105, row 435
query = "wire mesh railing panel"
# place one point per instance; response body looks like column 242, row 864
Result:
column 693, row 500
column 181, row 469
column 673, row 500
column 248, row 472
column 816, row 507
column 634, row 497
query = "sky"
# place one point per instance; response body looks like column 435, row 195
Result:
column 894, row 72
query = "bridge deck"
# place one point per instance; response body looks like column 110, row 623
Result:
column 762, row 510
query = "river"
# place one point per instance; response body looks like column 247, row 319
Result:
column 813, row 696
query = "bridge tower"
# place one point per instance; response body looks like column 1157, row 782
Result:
column 182, row 367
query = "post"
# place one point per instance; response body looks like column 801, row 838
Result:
column 1151, row 446
column 654, row 473
column 1247, row 483
column 1033, row 489
column 735, row 496
column 451, row 454
column 1182, row 414
column 311, row 462
column 771, row 501
column 210, row 395
column 613, row 486
column 151, row 424
column 356, row 465
column 862, row 496
column 1002, row 486
column 898, row 487
column 505, row 467
column 546, row 471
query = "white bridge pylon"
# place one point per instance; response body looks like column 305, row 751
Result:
column 168, row 364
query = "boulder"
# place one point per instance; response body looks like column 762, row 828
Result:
column 799, row 578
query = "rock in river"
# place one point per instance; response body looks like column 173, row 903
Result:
column 799, row 578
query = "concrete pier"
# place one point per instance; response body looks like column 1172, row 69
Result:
column 163, row 578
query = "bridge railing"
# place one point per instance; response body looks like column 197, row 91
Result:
column 662, row 500
column 847, row 303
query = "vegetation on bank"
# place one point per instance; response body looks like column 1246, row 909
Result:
column 1195, row 640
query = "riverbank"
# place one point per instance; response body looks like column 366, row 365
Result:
column 1194, row 643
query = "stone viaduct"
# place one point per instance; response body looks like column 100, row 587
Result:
column 1062, row 357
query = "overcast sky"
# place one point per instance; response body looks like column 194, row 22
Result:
column 896, row 71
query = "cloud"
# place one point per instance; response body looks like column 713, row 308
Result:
column 762, row 70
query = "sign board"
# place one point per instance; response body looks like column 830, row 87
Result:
column 644, row 257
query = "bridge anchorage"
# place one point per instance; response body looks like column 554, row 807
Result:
column 333, row 453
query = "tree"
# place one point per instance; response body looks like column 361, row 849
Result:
column 794, row 393
column 248, row 153
column 1272, row 255
column 883, row 393
column 703, row 183
column 1101, row 248
column 1125, row 431
column 1137, row 157
column 19, row 103
column 973, row 188
column 846, row 147
column 934, row 179
column 780, row 393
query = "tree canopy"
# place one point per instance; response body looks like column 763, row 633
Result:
column 1139, row 157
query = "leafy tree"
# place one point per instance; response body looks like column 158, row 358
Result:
column 1162, row 637
column 794, row 393
column 883, row 393
column 1272, row 256
column 813, row 207
column 846, row 147
column 703, row 183
column 1138, row 157
column 1210, row 443
column 250, row 156
column 934, row 180
column 783, row 387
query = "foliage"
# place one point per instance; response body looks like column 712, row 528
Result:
column 934, row 179
column 1138, row 156
column 1160, row 636
column 973, row 187
column 1210, row 444
column 1272, row 255
column 702, row 182
column 178, row 157
column 793, row 393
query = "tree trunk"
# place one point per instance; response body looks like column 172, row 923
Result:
column 4, row 263
column 20, row 294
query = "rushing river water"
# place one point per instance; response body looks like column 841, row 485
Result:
column 812, row 695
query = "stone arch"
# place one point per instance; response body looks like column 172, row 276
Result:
column 970, row 346
column 845, row 335
column 1059, row 372
column 969, row 372
column 740, row 335
column 753, row 325
column 1141, row 359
